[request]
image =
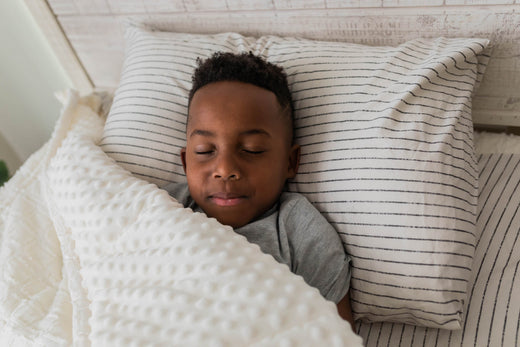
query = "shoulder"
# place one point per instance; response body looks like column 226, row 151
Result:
column 304, row 225
column 295, row 203
column 297, row 211
column 317, row 252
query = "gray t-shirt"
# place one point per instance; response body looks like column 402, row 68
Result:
column 295, row 234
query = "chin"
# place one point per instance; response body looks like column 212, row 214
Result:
column 234, row 225
column 231, row 222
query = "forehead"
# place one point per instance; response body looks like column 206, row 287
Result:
column 231, row 103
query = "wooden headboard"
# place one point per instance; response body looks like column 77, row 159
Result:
column 87, row 35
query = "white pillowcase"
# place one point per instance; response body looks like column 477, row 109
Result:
column 387, row 152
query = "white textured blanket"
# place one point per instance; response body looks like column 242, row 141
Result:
column 91, row 255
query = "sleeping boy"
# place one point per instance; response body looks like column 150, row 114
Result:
column 239, row 153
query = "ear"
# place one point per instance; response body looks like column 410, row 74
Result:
column 183, row 158
column 294, row 161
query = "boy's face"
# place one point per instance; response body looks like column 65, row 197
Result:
column 238, row 153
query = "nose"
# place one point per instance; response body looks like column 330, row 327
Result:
column 226, row 168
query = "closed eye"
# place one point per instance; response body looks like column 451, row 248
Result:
column 203, row 152
column 253, row 152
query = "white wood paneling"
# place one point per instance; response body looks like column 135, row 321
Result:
column 76, row 7
column 479, row 2
column 412, row 3
column 250, row 4
column 302, row 4
column 353, row 3
column 95, row 29
column 92, row 7
column 63, row 8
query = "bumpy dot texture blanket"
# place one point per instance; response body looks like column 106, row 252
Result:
column 94, row 256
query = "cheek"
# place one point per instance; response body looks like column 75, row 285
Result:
column 280, row 166
column 271, row 174
column 194, row 166
column 195, row 174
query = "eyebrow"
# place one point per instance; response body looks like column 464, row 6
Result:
column 255, row 132
column 207, row 133
column 200, row 132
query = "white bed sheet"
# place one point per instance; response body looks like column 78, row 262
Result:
column 492, row 313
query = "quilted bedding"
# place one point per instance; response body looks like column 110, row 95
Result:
column 91, row 255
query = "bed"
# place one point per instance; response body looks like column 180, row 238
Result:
column 406, row 113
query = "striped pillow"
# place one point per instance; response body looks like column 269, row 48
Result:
column 387, row 152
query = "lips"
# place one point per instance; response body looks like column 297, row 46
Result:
column 227, row 199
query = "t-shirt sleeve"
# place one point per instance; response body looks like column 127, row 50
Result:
column 181, row 193
column 317, row 251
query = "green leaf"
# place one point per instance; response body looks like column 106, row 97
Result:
column 4, row 173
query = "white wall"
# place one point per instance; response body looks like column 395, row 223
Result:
column 29, row 76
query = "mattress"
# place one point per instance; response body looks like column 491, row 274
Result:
column 492, row 312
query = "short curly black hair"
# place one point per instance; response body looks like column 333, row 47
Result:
column 247, row 68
